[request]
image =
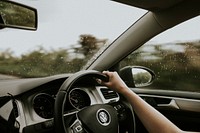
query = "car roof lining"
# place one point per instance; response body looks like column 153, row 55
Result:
column 151, row 5
column 178, row 14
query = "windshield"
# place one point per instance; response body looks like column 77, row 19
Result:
column 69, row 33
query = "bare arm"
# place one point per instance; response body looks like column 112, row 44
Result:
column 153, row 120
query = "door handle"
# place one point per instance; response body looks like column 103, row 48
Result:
column 172, row 104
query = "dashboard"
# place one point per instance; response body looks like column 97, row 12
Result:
column 36, row 106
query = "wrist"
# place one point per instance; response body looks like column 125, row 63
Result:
column 124, row 90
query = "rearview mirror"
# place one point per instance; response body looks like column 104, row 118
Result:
column 15, row 15
column 137, row 76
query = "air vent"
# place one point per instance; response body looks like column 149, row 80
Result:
column 108, row 93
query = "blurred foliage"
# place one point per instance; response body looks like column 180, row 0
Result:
column 176, row 67
column 41, row 62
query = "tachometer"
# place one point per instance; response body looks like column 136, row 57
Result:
column 43, row 105
column 79, row 99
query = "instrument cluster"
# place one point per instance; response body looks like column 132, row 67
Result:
column 43, row 103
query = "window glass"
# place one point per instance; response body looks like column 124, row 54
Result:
column 174, row 56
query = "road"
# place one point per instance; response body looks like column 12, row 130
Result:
column 3, row 77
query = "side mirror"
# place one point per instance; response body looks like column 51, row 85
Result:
column 15, row 15
column 137, row 76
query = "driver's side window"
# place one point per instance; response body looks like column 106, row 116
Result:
column 174, row 56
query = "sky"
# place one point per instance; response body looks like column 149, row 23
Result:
column 70, row 18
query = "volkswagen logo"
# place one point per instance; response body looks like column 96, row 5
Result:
column 103, row 117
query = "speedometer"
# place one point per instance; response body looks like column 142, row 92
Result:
column 79, row 99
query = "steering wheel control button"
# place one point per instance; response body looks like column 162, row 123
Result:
column 103, row 117
column 77, row 127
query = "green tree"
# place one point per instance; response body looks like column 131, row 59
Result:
column 89, row 45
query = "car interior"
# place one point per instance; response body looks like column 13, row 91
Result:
column 73, row 102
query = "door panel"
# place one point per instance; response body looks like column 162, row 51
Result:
column 183, row 109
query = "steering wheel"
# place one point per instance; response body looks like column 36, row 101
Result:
column 98, row 118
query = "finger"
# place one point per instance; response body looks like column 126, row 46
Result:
column 105, row 72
